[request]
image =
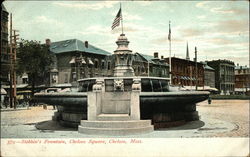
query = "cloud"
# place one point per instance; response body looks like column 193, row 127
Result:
column 127, row 17
column 164, row 40
column 46, row 20
column 126, row 29
column 232, row 26
column 201, row 17
column 202, row 4
column 190, row 32
column 222, row 10
column 87, row 5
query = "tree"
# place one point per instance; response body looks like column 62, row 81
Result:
column 34, row 59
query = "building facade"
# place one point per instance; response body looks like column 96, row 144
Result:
column 242, row 79
column 146, row 65
column 224, row 75
column 209, row 76
column 5, row 56
column 74, row 59
column 184, row 72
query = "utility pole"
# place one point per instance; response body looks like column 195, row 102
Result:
column 196, row 70
column 13, row 46
column 11, row 65
column 14, row 64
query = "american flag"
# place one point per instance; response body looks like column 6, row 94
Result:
column 169, row 33
column 117, row 20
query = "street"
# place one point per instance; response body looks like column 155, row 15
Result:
column 222, row 118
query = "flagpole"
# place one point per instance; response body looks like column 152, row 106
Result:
column 121, row 16
column 170, row 75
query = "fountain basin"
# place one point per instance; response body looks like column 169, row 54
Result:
column 71, row 107
column 164, row 108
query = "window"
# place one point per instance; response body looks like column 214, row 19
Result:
column 24, row 80
column 66, row 78
column 108, row 65
column 96, row 64
column 103, row 64
column 74, row 76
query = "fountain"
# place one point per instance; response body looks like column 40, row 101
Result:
column 123, row 104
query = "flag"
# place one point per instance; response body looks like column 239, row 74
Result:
column 169, row 33
column 117, row 20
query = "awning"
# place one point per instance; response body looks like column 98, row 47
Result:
column 72, row 61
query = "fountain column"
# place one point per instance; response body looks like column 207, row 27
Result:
column 123, row 58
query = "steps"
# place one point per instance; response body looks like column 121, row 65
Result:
column 124, row 127
column 113, row 117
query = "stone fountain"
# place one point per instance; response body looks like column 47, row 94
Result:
column 123, row 104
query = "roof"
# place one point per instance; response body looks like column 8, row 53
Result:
column 150, row 59
column 208, row 67
column 147, row 57
column 75, row 45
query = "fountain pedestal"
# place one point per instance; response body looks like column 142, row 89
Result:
column 114, row 113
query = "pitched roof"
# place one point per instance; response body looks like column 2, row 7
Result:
column 75, row 45
column 150, row 59
column 208, row 67
column 147, row 57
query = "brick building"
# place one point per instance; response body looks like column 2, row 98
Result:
column 184, row 72
column 5, row 56
column 224, row 75
column 242, row 79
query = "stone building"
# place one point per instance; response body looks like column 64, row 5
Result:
column 224, row 75
column 74, row 59
column 242, row 79
column 146, row 65
column 5, row 56
column 184, row 72
column 209, row 75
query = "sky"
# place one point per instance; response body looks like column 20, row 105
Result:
column 219, row 29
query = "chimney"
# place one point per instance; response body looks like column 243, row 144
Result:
column 162, row 57
column 156, row 55
column 48, row 42
column 86, row 44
